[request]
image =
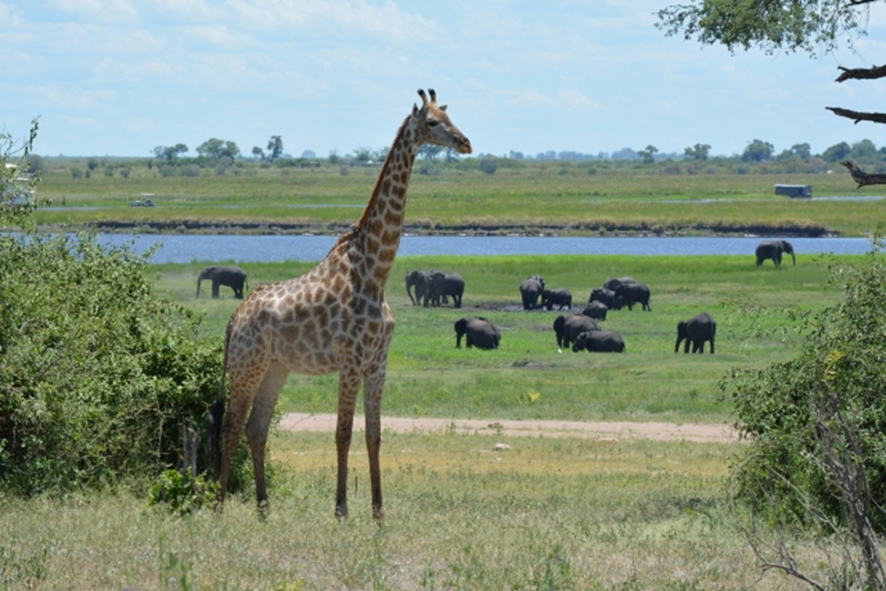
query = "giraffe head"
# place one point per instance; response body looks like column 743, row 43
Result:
column 434, row 126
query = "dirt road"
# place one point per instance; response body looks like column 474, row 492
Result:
column 610, row 431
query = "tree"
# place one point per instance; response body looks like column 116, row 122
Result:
column 698, row 152
column 648, row 154
column 275, row 147
column 757, row 151
column 215, row 149
column 837, row 152
column 816, row 455
column 772, row 25
column 169, row 153
column 258, row 153
column 15, row 183
column 430, row 151
column 363, row 154
column 803, row 150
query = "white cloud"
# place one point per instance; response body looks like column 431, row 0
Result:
column 108, row 11
column 344, row 17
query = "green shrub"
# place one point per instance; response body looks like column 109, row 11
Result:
column 820, row 417
column 182, row 493
column 97, row 374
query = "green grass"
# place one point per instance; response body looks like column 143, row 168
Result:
column 548, row 513
column 428, row 376
column 545, row 514
column 534, row 197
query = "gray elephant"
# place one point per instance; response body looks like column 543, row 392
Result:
column 596, row 310
column 231, row 276
column 531, row 290
column 416, row 281
column 772, row 249
column 614, row 284
column 567, row 329
column 441, row 285
column 604, row 296
column 696, row 330
column 478, row 332
column 599, row 341
column 556, row 297
column 629, row 294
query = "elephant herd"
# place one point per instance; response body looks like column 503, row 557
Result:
column 583, row 331
column 434, row 288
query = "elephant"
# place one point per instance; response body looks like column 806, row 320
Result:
column 596, row 310
column 600, row 341
column 478, row 332
column 530, row 290
column 556, row 297
column 772, row 250
column 416, row 281
column 633, row 293
column 614, row 284
column 604, row 296
column 232, row 276
column 568, row 329
column 442, row 285
column 697, row 330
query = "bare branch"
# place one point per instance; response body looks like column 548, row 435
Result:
column 863, row 178
column 858, row 116
column 861, row 73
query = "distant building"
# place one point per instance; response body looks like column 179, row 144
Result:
column 794, row 191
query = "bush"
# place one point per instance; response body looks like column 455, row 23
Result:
column 488, row 164
column 97, row 374
column 814, row 420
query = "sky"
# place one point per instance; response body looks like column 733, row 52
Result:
column 120, row 77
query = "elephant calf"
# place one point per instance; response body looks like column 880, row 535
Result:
column 596, row 310
column 697, row 330
column 605, row 296
column 556, row 297
column 478, row 332
column 605, row 341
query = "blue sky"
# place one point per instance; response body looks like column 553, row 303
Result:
column 119, row 77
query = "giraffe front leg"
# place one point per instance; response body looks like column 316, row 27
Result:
column 348, row 387
column 373, row 386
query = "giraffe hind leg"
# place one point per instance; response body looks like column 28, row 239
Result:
column 239, row 402
column 259, row 423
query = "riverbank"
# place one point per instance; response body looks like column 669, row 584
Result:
column 584, row 229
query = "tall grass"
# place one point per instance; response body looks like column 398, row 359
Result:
column 544, row 514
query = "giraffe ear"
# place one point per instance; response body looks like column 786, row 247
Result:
column 442, row 107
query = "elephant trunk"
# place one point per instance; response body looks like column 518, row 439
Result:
column 794, row 257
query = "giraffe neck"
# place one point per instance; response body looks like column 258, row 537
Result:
column 376, row 237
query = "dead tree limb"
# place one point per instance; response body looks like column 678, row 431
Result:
column 857, row 115
column 861, row 73
column 863, row 178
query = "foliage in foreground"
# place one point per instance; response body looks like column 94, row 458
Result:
column 97, row 374
column 818, row 455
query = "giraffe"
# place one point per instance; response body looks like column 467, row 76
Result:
column 334, row 318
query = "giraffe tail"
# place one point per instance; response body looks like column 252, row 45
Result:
column 217, row 412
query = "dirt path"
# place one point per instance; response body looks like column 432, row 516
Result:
column 609, row 431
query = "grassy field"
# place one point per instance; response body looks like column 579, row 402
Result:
column 540, row 197
column 545, row 513
column 528, row 377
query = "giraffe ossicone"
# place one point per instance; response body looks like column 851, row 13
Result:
column 334, row 318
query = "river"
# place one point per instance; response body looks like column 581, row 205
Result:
column 187, row 248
